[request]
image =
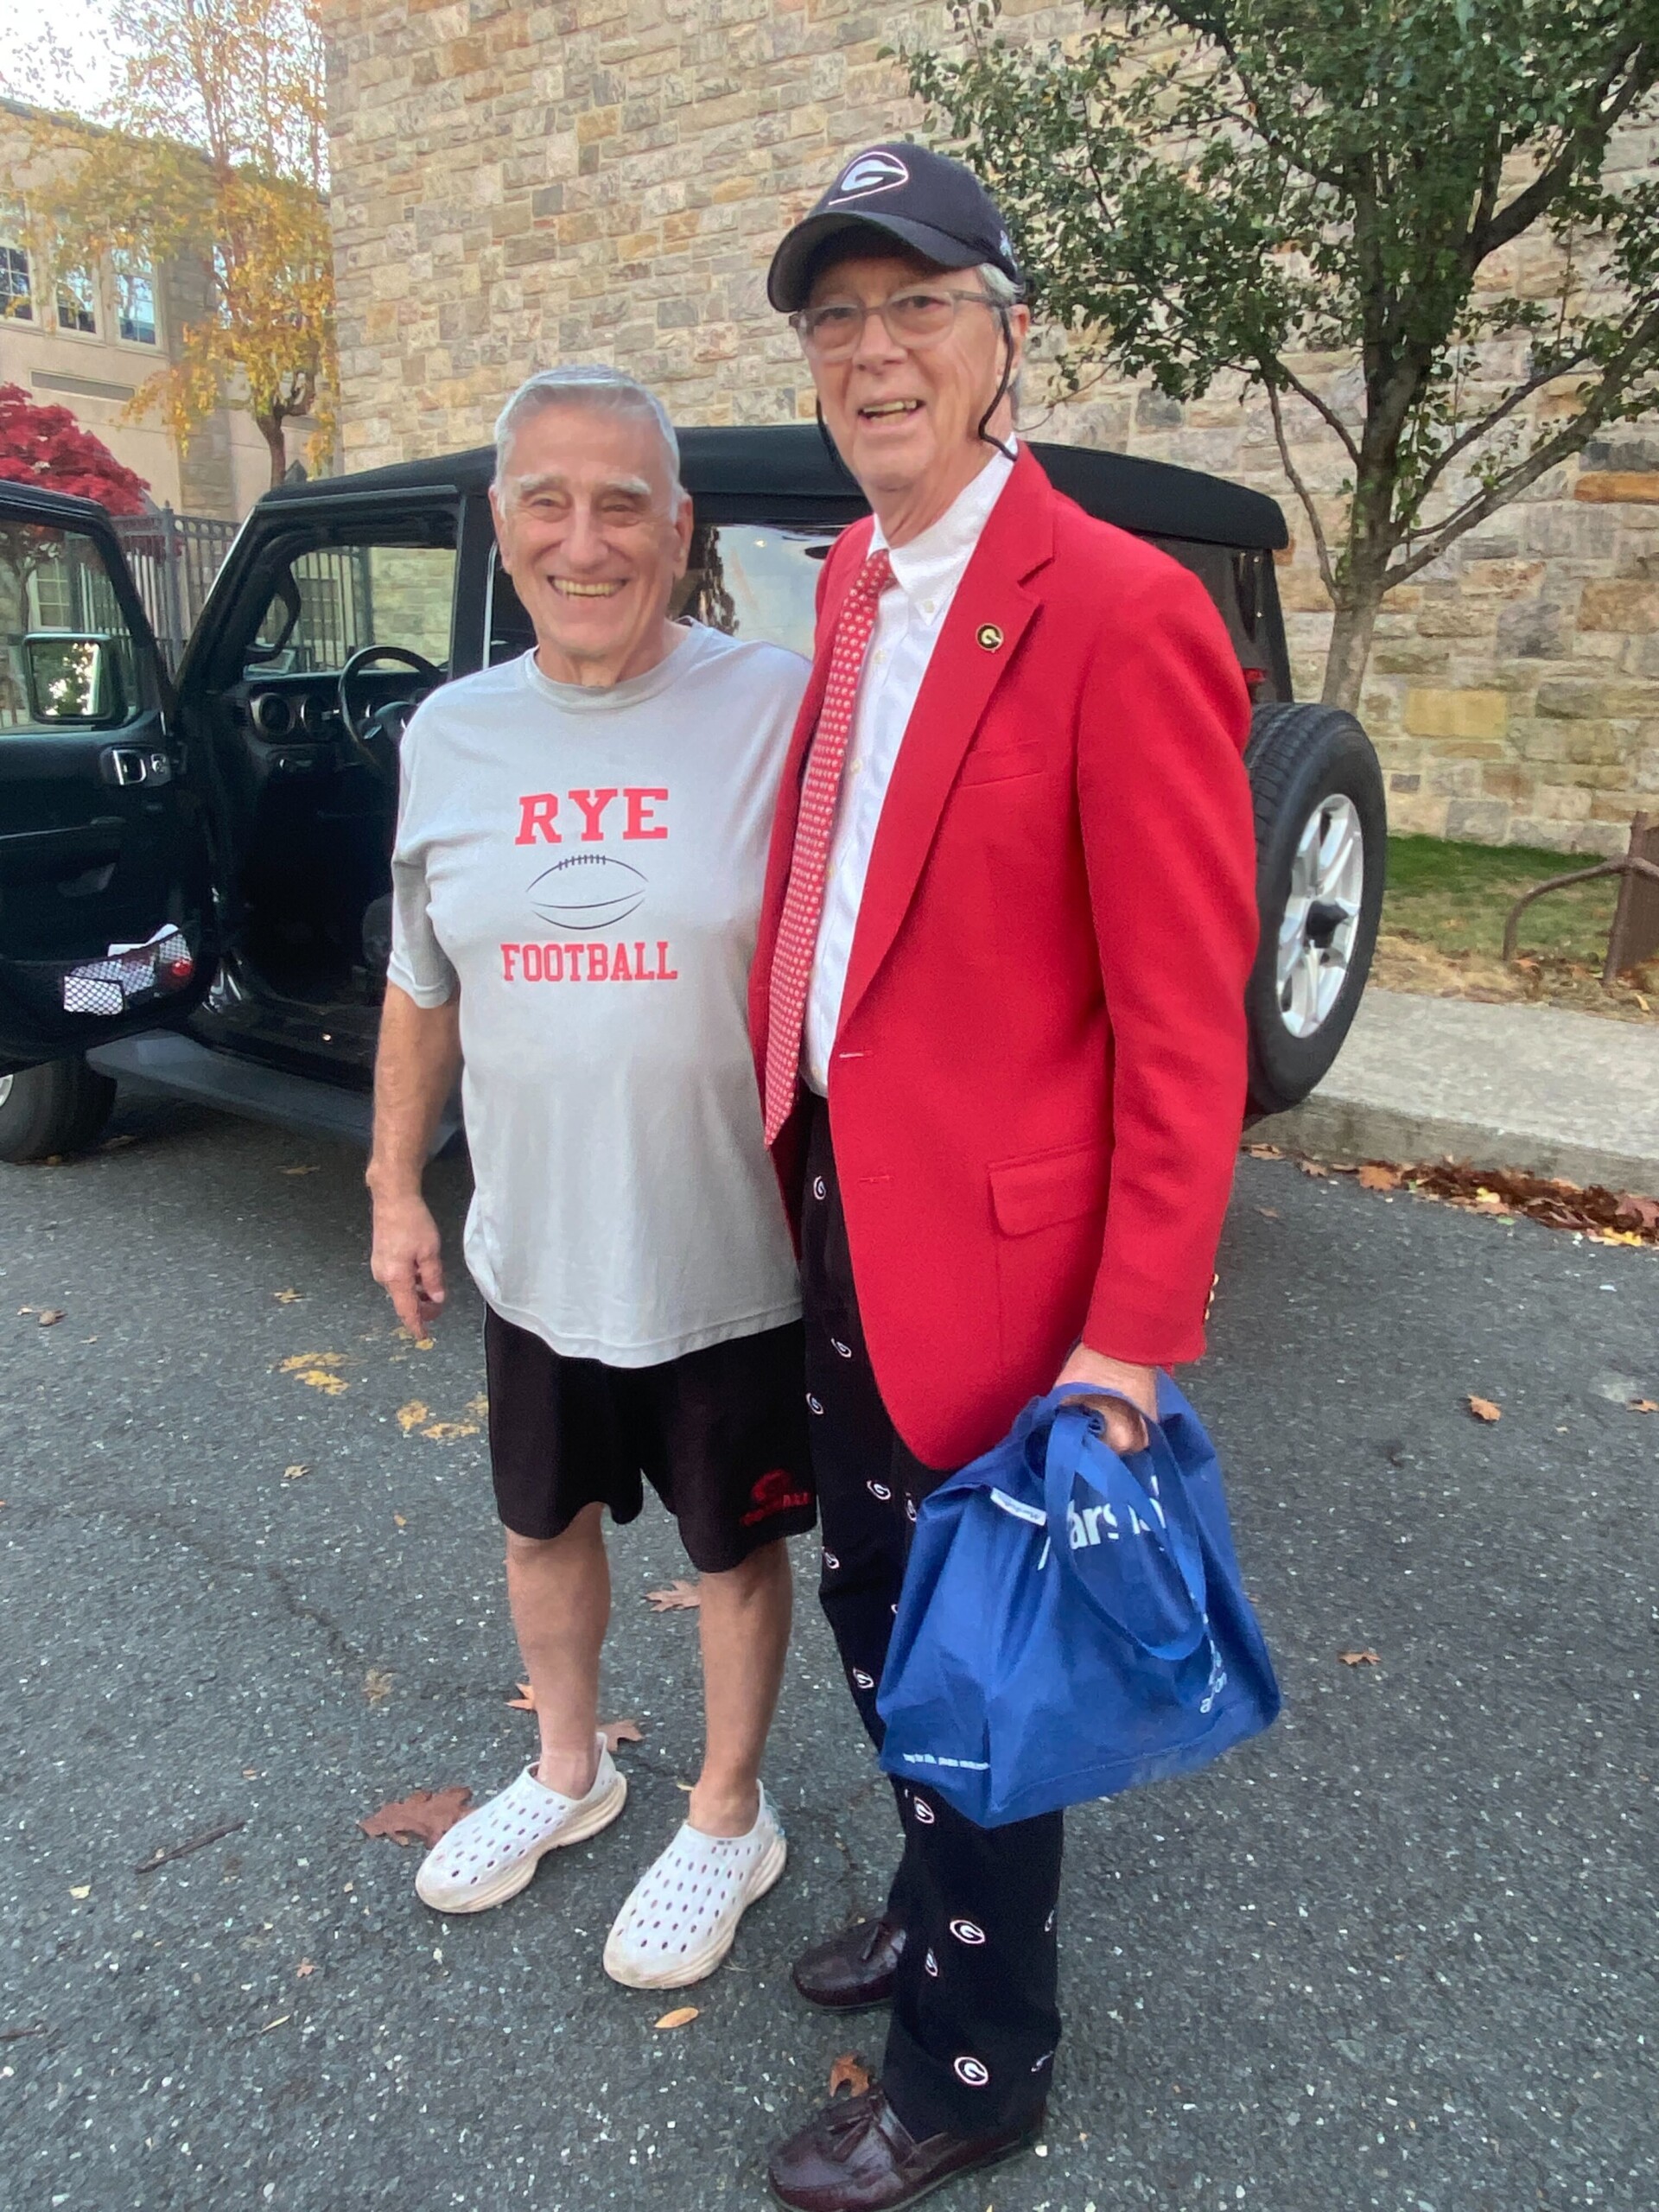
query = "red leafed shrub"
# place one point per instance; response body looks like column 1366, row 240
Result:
column 47, row 446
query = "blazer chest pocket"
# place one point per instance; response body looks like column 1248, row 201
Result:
column 1003, row 763
column 1047, row 1187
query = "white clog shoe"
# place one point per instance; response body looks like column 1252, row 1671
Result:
column 681, row 1919
column 490, row 1855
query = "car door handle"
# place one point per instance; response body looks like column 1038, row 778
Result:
column 126, row 765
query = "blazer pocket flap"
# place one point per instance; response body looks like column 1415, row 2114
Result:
column 1003, row 762
column 1049, row 1186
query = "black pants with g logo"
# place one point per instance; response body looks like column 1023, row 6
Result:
column 975, row 2017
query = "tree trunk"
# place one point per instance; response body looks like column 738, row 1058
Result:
column 271, row 428
column 1350, row 641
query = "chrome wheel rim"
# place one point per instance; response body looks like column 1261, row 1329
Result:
column 5, row 1088
column 1321, row 917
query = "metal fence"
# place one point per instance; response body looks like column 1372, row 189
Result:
column 174, row 559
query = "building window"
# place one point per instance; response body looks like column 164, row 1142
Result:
column 135, row 293
column 77, row 301
column 17, row 295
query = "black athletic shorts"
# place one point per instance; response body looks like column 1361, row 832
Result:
column 720, row 1434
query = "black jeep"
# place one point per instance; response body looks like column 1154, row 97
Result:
column 193, row 880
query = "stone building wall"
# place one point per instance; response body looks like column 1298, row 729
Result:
column 519, row 184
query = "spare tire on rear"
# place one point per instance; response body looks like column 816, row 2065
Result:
column 1321, row 826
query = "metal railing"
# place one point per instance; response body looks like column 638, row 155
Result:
column 174, row 559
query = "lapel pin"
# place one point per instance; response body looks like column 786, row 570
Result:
column 990, row 637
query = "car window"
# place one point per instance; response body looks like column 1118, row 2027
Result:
column 751, row 580
column 55, row 583
column 331, row 599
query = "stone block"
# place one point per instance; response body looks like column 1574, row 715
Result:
column 1614, row 605
column 1531, row 629
column 1618, row 487
column 1507, row 578
column 1457, row 618
column 1473, row 714
column 1477, row 821
column 1575, row 699
column 1502, row 779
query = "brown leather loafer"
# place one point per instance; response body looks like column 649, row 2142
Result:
column 858, row 2156
column 851, row 1971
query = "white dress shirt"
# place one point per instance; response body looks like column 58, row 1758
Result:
column 909, row 617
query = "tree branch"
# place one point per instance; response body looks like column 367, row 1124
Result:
column 1322, row 408
column 1327, row 573
column 1611, row 101
column 1565, row 442
column 1489, row 422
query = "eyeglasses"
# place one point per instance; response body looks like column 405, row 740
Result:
column 915, row 319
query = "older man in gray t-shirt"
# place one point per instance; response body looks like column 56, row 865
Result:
column 580, row 846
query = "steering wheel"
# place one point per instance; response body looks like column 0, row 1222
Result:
column 374, row 737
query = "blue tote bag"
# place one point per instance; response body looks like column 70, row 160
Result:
column 1072, row 1622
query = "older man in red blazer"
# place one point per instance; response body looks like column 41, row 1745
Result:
column 998, row 1014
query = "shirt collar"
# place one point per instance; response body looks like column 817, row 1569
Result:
column 932, row 563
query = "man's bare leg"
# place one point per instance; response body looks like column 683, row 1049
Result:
column 559, row 1589
column 744, row 1620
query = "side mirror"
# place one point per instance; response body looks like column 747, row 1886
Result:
column 73, row 677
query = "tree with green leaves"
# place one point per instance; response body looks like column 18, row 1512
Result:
column 1445, row 192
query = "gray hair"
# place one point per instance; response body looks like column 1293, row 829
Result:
column 586, row 385
column 1002, row 288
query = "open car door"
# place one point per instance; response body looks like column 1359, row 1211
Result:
column 106, row 910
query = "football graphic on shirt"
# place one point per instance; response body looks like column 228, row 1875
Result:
column 587, row 890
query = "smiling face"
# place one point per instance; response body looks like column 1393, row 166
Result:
column 591, row 534
column 905, row 420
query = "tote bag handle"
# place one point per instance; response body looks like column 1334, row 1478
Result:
column 1166, row 1518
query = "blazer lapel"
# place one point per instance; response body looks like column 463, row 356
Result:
column 961, row 677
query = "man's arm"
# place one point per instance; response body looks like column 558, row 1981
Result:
column 415, row 1070
column 1169, row 841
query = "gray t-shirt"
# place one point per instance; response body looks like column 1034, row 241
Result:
column 587, row 865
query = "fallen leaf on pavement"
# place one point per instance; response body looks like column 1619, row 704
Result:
column 401, row 1520
column 304, row 1968
column 281, row 2022
column 299, row 1170
column 410, row 1416
column 617, row 1732
column 1375, row 1176
column 1269, row 1213
column 678, row 1598
column 292, row 1474
column 421, row 1817
column 85, row 1890
column 446, row 1432
column 1484, row 1409
column 1316, row 1168
column 478, row 1407
column 1359, row 1658
column 317, row 1370
column 49, row 1316
column 286, row 1297
column 376, row 1685
column 1264, row 1152
column 849, row 2072
column 525, row 1700
column 1644, row 1405
column 680, row 2017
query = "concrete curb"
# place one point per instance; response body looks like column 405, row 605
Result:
column 1537, row 1088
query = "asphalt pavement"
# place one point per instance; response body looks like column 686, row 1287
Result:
column 1399, row 1954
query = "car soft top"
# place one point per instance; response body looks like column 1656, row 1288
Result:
column 785, row 473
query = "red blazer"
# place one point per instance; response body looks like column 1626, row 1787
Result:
column 1039, row 1078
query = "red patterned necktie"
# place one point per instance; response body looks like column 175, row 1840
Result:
column 797, row 930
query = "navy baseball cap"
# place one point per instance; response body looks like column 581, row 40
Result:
column 904, row 193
